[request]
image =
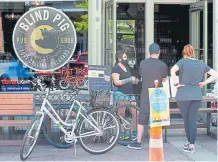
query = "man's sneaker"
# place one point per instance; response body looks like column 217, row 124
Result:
column 191, row 150
column 186, row 145
column 135, row 145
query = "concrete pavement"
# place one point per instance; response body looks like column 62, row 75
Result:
column 206, row 150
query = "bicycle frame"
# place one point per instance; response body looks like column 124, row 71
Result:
column 62, row 123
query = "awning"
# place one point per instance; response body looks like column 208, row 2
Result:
column 68, row 8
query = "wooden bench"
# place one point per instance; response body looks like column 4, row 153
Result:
column 206, row 125
column 12, row 105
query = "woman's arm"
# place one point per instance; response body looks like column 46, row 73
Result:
column 118, row 82
column 213, row 76
column 173, row 71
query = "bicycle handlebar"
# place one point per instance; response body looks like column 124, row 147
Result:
column 76, row 91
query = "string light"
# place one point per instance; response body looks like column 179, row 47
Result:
column 37, row 3
column 12, row 17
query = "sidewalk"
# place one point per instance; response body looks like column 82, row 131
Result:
column 206, row 150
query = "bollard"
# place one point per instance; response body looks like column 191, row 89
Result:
column 156, row 140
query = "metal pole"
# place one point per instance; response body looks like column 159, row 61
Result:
column 191, row 28
column 149, row 25
column 94, row 32
column 197, row 33
column 194, row 31
column 103, row 37
column 215, row 35
column 90, row 31
column 205, row 31
column 205, row 38
column 114, row 29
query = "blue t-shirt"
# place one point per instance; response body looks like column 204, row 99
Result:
column 191, row 72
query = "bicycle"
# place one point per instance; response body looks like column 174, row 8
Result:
column 130, row 118
column 127, row 120
column 76, row 81
column 57, row 138
column 126, row 123
column 91, row 117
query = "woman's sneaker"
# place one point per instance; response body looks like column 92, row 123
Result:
column 186, row 145
column 190, row 150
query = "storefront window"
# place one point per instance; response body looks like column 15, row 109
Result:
column 16, row 77
column 83, row 58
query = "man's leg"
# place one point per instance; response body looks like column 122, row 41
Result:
column 143, row 119
column 140, row 133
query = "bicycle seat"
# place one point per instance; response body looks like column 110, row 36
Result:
column 83, row 97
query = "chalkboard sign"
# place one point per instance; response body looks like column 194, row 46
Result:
column 99, row 77
column 99, row 84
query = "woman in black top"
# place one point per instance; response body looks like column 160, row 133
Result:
column 123, row 80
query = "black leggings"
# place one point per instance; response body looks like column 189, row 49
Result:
column 189, row 111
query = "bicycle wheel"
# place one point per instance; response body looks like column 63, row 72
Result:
column 83, row 83
column 63, row 84
column 31, row 137
column 56, row 138
column 107, row 122
column 128, row 132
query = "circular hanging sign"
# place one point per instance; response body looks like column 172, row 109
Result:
column 44, row 39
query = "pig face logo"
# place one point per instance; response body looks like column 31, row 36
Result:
column 44, row 39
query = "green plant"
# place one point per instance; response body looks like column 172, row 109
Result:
column 82, row 23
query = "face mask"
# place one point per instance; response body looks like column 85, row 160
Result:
column 125, row 62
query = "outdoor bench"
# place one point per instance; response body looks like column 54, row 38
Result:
column 207, row 111
column 13, row 106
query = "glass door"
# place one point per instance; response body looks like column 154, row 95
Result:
column 110, row 32
column 198, row 36
column 198, row 16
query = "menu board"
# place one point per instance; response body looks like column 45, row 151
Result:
column 99, row 77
